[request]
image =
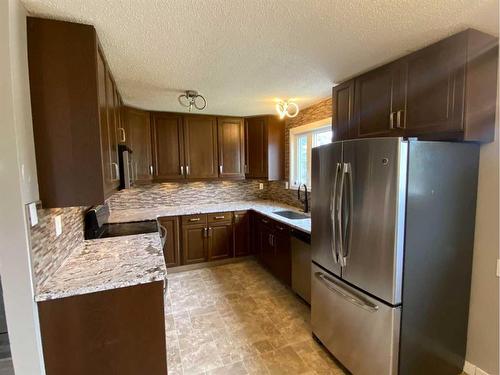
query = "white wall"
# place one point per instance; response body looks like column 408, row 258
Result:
column 483, row 335
column 19, row 186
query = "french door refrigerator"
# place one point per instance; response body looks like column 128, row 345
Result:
column 392, row 237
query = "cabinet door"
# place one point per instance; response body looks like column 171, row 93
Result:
column 113, row 129
column 140, row 143
column 104, row 126
column 168, row 147
column 436, row 87
column 231, row 147
column 169, row 227
column 267, row 249
column 220, row 238
column 194, row 244
column 375, row 101
column 256, row 147
column 282, row 265
column 343, row 111
column 200, row 145
column 241, row 233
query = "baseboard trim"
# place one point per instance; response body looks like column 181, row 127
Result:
column 190, row 267
column 471, row 369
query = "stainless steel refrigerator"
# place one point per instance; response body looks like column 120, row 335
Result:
column 392, row 237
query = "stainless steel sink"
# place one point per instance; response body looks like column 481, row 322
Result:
column 291, row 214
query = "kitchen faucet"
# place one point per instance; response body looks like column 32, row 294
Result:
column 306, row 198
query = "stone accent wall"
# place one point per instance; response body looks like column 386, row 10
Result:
column 174, row 193
column 316, row 112
column 49, row 251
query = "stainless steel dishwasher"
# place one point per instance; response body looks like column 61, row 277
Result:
column 301, row 264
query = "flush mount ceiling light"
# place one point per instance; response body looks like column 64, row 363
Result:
column 287, row 108
column 191, row 99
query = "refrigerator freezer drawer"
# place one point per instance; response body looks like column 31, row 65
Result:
column 362, row 333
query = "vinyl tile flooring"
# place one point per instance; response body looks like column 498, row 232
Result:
column 238, row 319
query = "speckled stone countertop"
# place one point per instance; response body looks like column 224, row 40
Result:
column 105, row 264
column 262, row 206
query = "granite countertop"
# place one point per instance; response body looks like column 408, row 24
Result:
column 264, row 207
column 105, row 264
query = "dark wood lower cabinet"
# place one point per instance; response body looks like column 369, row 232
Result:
column 273, row 248
column 283, row 253
column 194, row 243
column 242, row 233
column 171, row 248
column 119, row 331
column 217, row 236
column 220, row 237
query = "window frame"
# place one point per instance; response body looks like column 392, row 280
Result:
column 295, row 133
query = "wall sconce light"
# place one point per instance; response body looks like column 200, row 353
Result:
column 287, row 108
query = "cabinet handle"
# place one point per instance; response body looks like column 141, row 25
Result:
column 187, row 170
column 205, row 232
column 151, row 170
column 219, row 217
column 209, row 232
column 398, row 118
column 220, row 169
column 265, row 221
column 182, row 170
column 391, row 120
column 246, row 168
column 123, row 136
column 194, row 219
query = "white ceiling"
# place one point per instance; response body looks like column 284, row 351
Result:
column 242, row 54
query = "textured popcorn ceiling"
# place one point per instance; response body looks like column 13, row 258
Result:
column 241, row 54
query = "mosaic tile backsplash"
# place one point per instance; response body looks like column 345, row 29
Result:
column 49, row 251
column 172, row 194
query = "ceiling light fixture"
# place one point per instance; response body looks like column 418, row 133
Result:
column 287, row 108
column 191, row 99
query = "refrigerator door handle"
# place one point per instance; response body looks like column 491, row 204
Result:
column 339, row 211
column 335, row 287
column 350, row 210
column 333, row 214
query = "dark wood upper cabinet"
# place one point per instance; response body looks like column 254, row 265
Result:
column 74, row 144
column 379, row 101
column 169, row 228
column 168, row 147
column 265, row 148
column 343, row 111
column 200, row 147
column 231, row 138
column 446, row 91
column 444, row 83
column 139, row 141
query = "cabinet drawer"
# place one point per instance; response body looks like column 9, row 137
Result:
column 281, row 228
column 194, row 219
column 220, row 217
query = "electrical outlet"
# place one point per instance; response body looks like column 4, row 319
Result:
column 261, row 186
column 58, row 224
column 498, row 267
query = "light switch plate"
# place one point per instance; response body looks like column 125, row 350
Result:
column 261, row 186
column 33, row 214
column 58, row 224
column 498, row 267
